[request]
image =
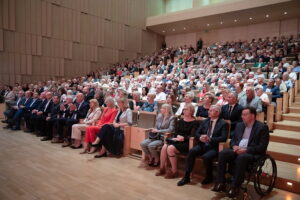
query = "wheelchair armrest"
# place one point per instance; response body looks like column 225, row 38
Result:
column 192, row 142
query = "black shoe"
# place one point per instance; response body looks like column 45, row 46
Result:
column 46, row 139
column 183, row 181
column 100, row 156
column 207, row 180
column 4, row 121
column 219, row 187
column 233, row 192
column 7, row 127
column 79, row 147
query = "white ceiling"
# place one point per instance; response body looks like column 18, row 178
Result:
column 258, row 15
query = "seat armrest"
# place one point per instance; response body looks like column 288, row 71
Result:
column 223, row 145
column 192, row 142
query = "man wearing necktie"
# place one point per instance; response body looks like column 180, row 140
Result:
column 77, row 111
column 232, row 111
column 210, row 133
column 249, row 142
column 42, row 114
column 34, row 104
column 16, row 121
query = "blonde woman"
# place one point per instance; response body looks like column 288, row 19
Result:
column 185, row 128
column 92, row 116
column 111, row 136
column 164, row 124
column 107, row 117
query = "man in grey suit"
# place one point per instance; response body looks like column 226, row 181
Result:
column 250, row 99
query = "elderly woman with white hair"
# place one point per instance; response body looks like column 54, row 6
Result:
column 188, row 99
column 165, row 123
column 92, row 116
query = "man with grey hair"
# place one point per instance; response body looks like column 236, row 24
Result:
column 251, row 100
column 210, row 133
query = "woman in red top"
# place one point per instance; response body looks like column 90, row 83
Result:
column 107, row 117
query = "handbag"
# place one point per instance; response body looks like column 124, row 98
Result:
column 154, row 136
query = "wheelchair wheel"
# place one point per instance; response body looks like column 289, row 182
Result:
column 265, row 175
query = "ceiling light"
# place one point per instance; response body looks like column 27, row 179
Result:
column 163, row 31
column 285, row 13
column 184, row 28
column 235, row 20
column 221, row 22
column 267, row 16
column 173, row 29
column 250, row 18
column 208, row 24
column 289, row 184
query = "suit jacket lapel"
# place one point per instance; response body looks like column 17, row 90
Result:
column 253, row 132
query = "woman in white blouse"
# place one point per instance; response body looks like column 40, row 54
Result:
column 91, row 118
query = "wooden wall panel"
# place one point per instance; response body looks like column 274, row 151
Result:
column 40, row 39
column 17, row 64
column 5, row 14
column 1, row 14
column 20, row 16
column 12, row 14
column 28, row 16
column 28, row 64
column 11, row 63
column 1, row 40
column 49, row 19
column 23, row 64
column 76, row 26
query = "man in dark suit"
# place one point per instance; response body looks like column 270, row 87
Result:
column 250, row 141
column 35, row 103
column 16, row 121
column 42, row 113
column 49, row 121
column 88, row 93
column 210, row 133
column 77, row 111
column 232, row 111
column 273, row 89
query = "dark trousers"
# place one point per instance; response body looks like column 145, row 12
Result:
column 239, row 164
column 65, row 122
column 40, row 124
column 49, row 127
column 30, row 122
column 208, row 154
column 17, row 118
column 27, row 116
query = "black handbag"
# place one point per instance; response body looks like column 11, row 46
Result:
column 154, row 136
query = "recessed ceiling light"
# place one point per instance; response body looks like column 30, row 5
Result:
column 221, row 22
column 267, row 16
column 208, row 24
column 235, row 20
column 285, row 13
column 163, row 31
column 184, row 28
column 250, row 18
column 173, row 29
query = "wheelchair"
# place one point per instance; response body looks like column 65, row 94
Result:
column 263, row 174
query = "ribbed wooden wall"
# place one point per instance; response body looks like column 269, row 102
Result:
column 41, row 39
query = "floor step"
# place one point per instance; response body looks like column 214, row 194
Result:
column 284, row 136
column 297, row 98
column 287, row 125
column 294, row 109
column 291, row 117
column 296, row 104
column 284, row 152
column 287, row 174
